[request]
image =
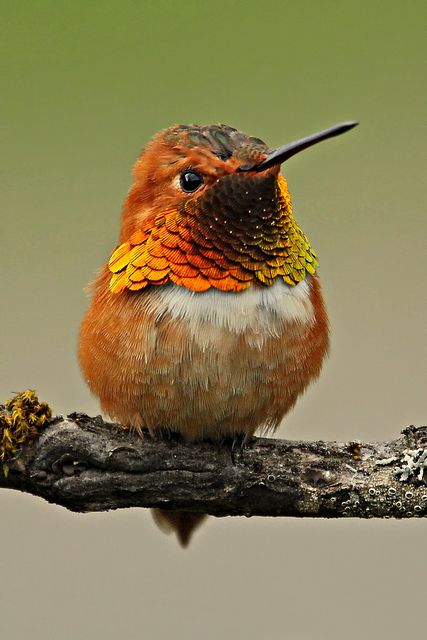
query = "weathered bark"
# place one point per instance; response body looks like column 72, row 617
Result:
column 86, row 464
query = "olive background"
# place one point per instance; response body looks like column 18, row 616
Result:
column 84, row 85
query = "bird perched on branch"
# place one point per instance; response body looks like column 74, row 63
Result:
column 208, row 319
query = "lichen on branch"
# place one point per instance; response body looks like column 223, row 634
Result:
column 22, row 418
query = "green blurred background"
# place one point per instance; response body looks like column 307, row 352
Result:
column 84, row 86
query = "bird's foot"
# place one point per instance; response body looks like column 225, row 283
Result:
column 238, row 443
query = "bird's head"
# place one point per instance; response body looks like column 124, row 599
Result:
column 208, row 208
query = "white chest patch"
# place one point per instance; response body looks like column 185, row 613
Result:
column 260, row 310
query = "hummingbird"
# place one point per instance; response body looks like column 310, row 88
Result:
column 208, row 320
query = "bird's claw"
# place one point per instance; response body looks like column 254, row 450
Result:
column 237, row 444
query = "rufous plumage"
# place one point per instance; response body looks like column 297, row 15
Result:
column 208, row 319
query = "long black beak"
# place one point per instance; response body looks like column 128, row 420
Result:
column 288, row 150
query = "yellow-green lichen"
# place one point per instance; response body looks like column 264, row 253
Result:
column 21, row 420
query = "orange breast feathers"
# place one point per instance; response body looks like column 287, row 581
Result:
column 199, row 249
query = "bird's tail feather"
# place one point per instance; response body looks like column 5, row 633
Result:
column 182, row 523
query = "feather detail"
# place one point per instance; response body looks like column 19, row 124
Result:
column 196, row 247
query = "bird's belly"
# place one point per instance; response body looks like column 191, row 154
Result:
column 207, row 364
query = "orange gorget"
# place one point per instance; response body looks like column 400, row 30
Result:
column 196, row 247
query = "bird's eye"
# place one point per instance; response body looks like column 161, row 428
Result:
column 190, row 180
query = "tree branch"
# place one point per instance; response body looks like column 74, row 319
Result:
column 86, row 464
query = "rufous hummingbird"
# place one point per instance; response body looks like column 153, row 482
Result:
column 208, row 320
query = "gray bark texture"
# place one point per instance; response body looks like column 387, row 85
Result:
column 86, row 464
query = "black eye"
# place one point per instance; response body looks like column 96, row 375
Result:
column 190, row 180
